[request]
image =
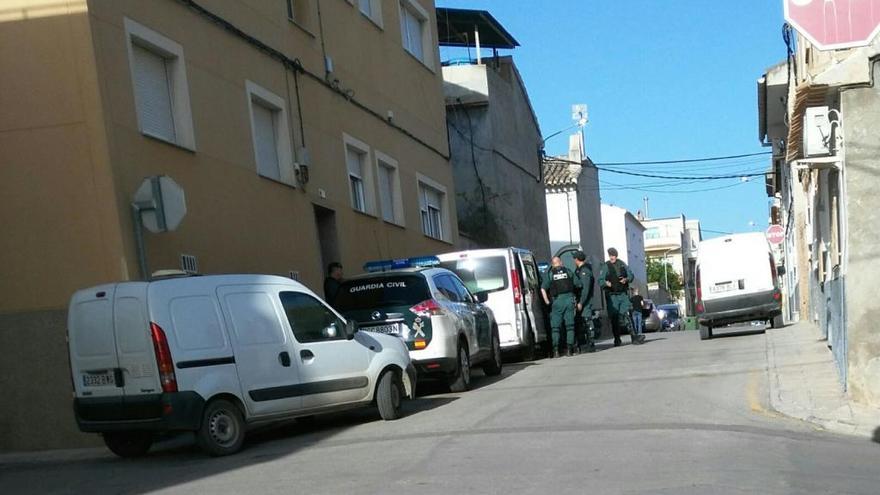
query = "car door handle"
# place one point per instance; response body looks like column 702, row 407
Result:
column 284, row 359
column 306, row 355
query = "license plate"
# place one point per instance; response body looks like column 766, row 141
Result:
column 98, row 379
column 392, row 329
column 726, row 286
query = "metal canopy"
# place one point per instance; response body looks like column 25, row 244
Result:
column 456, row 27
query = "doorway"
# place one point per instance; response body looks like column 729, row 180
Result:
column 328, row 242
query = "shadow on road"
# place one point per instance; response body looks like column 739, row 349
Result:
column 876, row 437
column 479, row 380
column 738, row 333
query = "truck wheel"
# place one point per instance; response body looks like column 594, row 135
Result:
column 493, row 366
column 222, row 431
column 461, row 380
column 777, row 322
column 389, row 394
column 129, row 444
column 705, row 332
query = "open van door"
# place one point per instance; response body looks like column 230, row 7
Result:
column 532, row 295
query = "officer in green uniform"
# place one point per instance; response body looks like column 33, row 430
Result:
column 560, row 285
column 584, row 309
column 617, row 277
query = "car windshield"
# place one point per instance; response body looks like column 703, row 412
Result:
column 382, row 291
column 671, row 311
column 480, row 274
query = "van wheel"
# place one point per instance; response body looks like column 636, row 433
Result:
column 389, row 395
column 222, row 431
column 528, row 349
column 493, row 366
column 461, row 380
column 705, row 332
column 129, row 444
column 777, row 322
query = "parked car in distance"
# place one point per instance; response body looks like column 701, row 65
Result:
column 511, row 279
column 217, row 354
column 653, row 323
column 670, row 317
column 737, row 281
column 446, row 329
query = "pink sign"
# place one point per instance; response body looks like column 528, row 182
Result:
column 775, row 235
column 833, row 24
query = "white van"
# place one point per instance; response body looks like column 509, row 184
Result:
column 510, row 278
column 217, row 354
column 737, row 282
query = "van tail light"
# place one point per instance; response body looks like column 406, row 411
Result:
column 777, row 295
column 428, row 308
column 699, row 287
column 163, row 359
column 517, row 289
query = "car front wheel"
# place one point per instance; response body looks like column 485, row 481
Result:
column 493, row 367
column 389, row 395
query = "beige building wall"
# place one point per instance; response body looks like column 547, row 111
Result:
column 73, row 156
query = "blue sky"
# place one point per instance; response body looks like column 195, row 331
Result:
column 663, row 80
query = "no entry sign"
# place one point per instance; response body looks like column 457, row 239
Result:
column 835, row 24
column 775, row 235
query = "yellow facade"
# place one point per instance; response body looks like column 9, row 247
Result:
column 73, row 154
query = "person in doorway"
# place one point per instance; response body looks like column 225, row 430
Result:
column 333, row 281
column 616, row 277
column 638, row 312
column 584, row 309
column 560, row 286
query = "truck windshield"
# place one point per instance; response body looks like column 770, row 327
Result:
column 382, row 291
column 480, row 274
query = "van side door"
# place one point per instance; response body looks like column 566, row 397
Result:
column 532, row 295
column 264, row 358
column 333, row 369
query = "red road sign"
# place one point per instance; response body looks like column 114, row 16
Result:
column 775, row 234
column 833, row 24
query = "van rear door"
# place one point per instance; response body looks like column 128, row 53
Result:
column 94, row 364
column 734, row 266
column 532, row 294
column 134, row 345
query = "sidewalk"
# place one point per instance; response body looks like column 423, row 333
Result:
column 804, row 383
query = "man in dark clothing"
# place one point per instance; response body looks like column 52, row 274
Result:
column 558, row 290
column 333, row 281
column 616, row 277
column 638, row 311
column 584, row 309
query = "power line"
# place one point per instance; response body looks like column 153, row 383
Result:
column 689, row 160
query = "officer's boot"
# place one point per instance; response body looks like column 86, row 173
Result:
column 555, row 352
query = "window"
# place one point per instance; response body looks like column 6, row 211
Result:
column 161, row 94
column 389, row 189
column 359, row 174
column 446, row 288
column 463, row 294
column 355, row 160
column 485, row 274
column 291, row 10
column 432, row 201
column 270, row 133
column 413, row 29
column 383, row 291
column 310, row 320
column 371, row 9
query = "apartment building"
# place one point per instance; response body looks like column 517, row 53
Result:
column 301, row 131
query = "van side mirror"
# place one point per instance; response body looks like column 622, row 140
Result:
column 481, row 297
column 780, row 270
column 351, row 328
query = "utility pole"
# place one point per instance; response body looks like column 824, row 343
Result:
column 647, row 216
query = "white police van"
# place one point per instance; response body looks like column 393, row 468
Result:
column 510, row 277
column 217, row 354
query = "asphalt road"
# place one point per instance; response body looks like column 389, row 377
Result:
column 675, row 416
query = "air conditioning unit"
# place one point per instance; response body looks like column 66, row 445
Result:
column 818, row 138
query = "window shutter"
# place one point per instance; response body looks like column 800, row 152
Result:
column 153, row 93
column 353, row 160
column 386, row 188
column 265, row 142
